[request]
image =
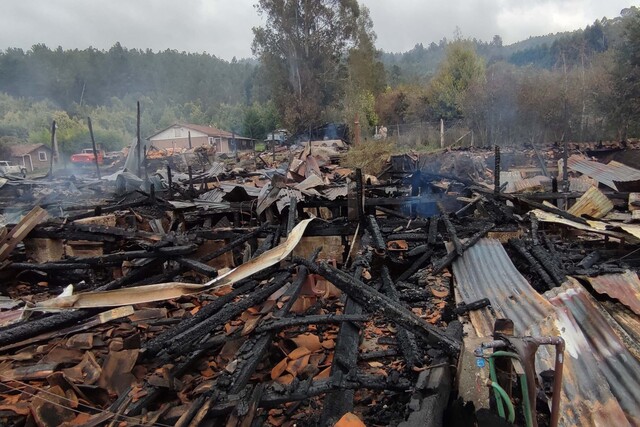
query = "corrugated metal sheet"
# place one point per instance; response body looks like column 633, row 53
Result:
column 510, row 178
column 213, row 196
column 592, row 203
column 618, row 365
column 335, row 192
column 535, row 183
column 581, row 184
column 216, row 169
column 629, row 232
column 623, row 287
column 614, row 175
column 486, row 271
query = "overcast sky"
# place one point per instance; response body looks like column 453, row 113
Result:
column 223, row 27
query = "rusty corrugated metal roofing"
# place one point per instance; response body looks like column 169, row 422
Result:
column 629, row 232
column 613, row 174
column 533, row 183
column 623, row 287
column 333, row 193
column 581, row 184
column 592, row 203
column 486, row 271
column 620, row 368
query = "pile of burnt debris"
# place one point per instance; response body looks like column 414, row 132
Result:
column 458, row 288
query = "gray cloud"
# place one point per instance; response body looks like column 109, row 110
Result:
column 223, row 27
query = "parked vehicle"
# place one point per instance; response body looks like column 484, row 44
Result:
column 86, row 157
column 10, row 168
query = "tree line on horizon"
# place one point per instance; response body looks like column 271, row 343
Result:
column 317, row 63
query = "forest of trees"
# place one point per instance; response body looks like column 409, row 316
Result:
column 316, row 62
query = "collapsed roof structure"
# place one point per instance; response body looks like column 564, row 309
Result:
column 460, row 287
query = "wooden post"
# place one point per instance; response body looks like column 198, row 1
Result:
column 189, row 133
column 360, row 195
column 53, row 149
column 496, row 171
column 356, row 130
column 138, row 141
column 152, row 194
column 472, row 141
column 235, row 144
column 93, row 144
column 441, row 132
column 170, row 181
column 191, row 190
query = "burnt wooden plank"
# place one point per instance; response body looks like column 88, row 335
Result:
column 345, row 359
column 406, row 339
column 20, row 231
column 375, row 302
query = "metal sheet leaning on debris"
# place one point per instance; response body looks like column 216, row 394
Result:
column 164, row 291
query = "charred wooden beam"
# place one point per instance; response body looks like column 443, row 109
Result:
column 272, row 399
column 359, row 195
column 186, row 340
column 153, row 393
column 293, row 209
column 33, row 327
column 379, row 354
column 452, row 234
column 155, row 345
column 463, row 210
column 375, row 302
column 521, row 248
column 250, row 353
column 409, row 237
column 345, row 359
column 535, row 224
column 414, row 295
column 198, row 267
column 289, row 322
column 406, row 339
column 374, row 230
column 234, row 244
column 417, row 264
column 463, row 308
column 446, row 261
column 166, row 252
column 256, row 349
column 113, row 208
column 548, row 264
column 392, row 212
column 519, row 199
column 433, row 230
column 418, row 250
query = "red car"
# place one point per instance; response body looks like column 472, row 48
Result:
column 87, row 157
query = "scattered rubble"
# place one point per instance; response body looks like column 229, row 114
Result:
column 283, row 289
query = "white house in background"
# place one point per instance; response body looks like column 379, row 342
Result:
column 177, row 136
